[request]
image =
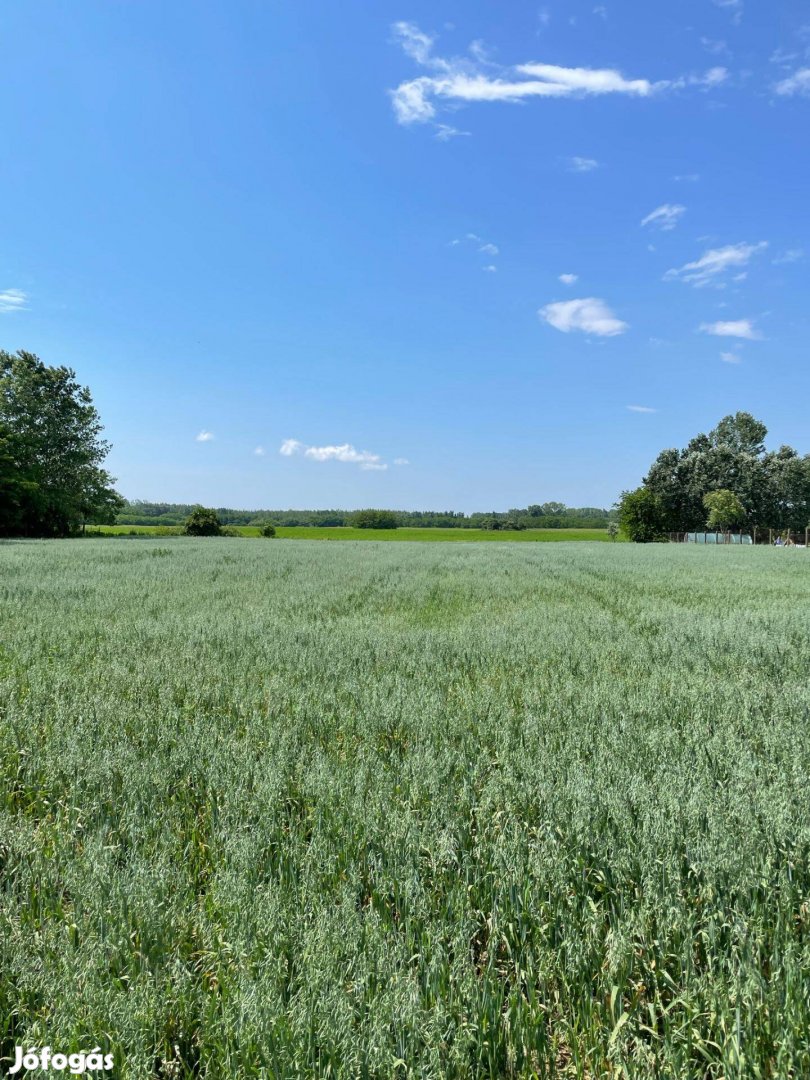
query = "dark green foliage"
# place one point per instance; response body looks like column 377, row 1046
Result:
column 373, row 519
column 641, row 516
column 51, row 452
column 550, row 515
column 202, row 521
column 773, row 487
column 268, row 530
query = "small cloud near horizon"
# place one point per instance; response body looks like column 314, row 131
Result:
column 343, row 452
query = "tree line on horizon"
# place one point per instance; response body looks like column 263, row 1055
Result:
column 549, row 515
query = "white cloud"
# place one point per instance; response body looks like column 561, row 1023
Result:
column 401, row 461
column 665, row 217
column 343, row 452
column 490, row 269
column 568, row 279
column 414, row 42
column 582, row 164
column 687, row 178
column 260, row 451
column 590, row 315
column 791, row 256
column 641, row 408
column 290, row 447
column 476, row 79
column 601, row 11
column 730, row 358
column 797, row 83
column 734, row 6
column 713, row 264
column 445, row 132
column 563, row 82
column 205, row 436
column 739, row 328
column 12, row 300
column 489, row 249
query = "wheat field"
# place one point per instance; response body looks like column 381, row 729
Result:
column 406, row 810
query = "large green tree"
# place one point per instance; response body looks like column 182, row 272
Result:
column 773, row 487
column 51, row 451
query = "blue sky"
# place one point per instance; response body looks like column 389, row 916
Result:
column 337, row 235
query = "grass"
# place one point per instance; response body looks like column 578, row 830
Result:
column 355, row 810
column 311, row 532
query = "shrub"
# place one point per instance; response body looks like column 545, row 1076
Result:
column 267, row 530
column 229, row 530
column 373, row 519
column 202, row 522
column 641, row 516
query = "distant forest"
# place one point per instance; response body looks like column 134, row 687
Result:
column 549, row 515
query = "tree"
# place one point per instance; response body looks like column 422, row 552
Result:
column 613, row 530
column 373, row 519
column 268, row 530
column 725, row 509
column 773, row 487
column 202, row 521
column 641, row 516
column 51, row 450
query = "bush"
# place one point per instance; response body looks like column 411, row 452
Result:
column 267, row 530
column 641, row 516
column 202, row 522
column 374, row 519
column 229, row 530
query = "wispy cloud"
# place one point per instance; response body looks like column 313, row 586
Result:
column 730, row 358
column 710, row 267
column 445, row 132
column 205, row 436
column 665, row 217
column 791, row 256
column 491, row 269
column 401, row 461
column 738, row 328
column 454, row 80
column 483, row 247
column 641, row 408
column 735, row 7
column 590, row 315
column 718, row 48
column 260, row 451
column 687, row 178
column 582, row 164
column 568, row 279
column 344, row 452
column 12, row 300
column 797, row 83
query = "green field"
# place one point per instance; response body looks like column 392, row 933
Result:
column 355, row 810
column 311, row 532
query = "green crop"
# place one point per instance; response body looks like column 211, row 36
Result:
column 410, row 810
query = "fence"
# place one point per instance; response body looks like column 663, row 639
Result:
column 758, row 535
